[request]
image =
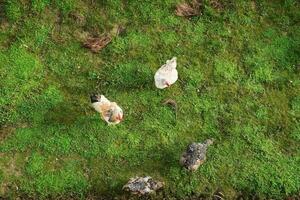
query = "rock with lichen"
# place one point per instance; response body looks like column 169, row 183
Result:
column 195, row 155
column 142, row 185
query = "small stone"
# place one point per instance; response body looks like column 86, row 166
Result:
column 142, row 185
column 195, row 155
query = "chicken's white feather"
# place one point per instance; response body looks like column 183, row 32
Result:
column 167, row 74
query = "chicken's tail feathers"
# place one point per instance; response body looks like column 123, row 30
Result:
column 172, row 63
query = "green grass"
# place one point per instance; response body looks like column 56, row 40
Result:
column 238, row 83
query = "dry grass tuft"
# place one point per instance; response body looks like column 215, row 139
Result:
column 97, row 43
column 185, row 9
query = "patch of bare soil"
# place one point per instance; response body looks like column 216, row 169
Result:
column 216, row 4
column 95, row 44
column 196, row 7
column 189, row 9
column 78, row 18
column 5, row 131
column 9, row 169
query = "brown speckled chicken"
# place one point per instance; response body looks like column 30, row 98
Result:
column 110, row 111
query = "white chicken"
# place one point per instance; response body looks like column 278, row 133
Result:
column 167, row 74
column 110, row 111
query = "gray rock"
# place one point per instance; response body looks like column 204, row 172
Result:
column 195, row 155
column 142, row 185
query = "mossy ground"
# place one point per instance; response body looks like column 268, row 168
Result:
column 239, row 83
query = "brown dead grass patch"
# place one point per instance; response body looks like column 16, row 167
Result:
column 190, row 9
column 95, row 44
